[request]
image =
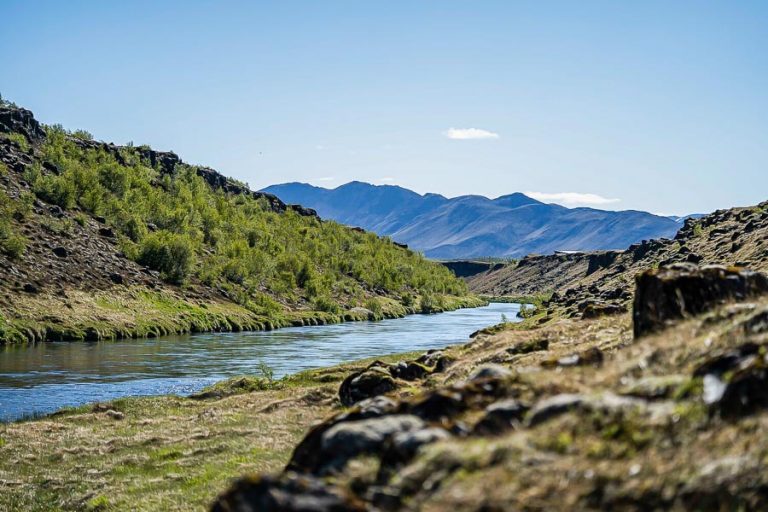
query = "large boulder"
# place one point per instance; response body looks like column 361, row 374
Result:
column 349, row 439
column 670, row 293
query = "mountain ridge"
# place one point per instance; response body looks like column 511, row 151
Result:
column 467, row 226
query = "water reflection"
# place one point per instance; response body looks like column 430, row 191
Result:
column 45, row 377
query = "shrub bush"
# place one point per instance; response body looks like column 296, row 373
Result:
column 168, row 253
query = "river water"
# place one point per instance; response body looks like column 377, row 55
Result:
column 42, row 378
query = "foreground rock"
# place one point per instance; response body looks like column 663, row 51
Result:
column 671, row 293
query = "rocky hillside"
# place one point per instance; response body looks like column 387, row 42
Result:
column 103, row 241
column 605, row 280
column 576, row 414
column 513, row 225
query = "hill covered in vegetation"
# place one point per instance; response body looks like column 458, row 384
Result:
column 102, row 241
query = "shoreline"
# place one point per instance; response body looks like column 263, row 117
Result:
column 246, row 373
column 139, row 313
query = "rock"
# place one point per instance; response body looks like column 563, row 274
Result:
column 106, row 232
column 596, row 310
column 56, row 211
column 409, row 370
column 404, row 445
column 723, row 362
column 667, row 294
column 436, row 359
column 374, row 380
column 655, row 387
column 61, row 252
column 115, row 415
column 376, row 406
column 287, row 492
column 526, row 347
column 20, row 120
column 116, row 278
column 31, row 288
column 560, row 404
column 349, row 439
column 744, row 393
column 501, row 416
column 554, row 406
column 491, row 371
column 592, row 356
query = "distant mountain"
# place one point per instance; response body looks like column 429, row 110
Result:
column 683, row 218
column 472, row 226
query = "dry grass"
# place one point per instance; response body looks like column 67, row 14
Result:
column 160, row 453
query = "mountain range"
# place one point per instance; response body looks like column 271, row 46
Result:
column 470, row 226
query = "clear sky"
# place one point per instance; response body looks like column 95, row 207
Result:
column 660, row 106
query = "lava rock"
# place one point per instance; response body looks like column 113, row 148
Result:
column 501, row 416
column 106, row 232
column 287, row 492
column 491, row 371
column 349, row 439
column 668, row 294
column 61, row 252
column 374, row 380
column 596, row 310
column 20, row 120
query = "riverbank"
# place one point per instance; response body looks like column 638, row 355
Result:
column 160, row 453
column 138, row 312
column 44, row 377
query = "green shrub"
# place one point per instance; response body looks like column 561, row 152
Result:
column 55, row 190
column 19, row 139
column 168, row 253
column 324, row 303
column 374, row 305
column 12, row 245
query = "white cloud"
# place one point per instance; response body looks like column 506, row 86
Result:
column 572, row 198
column 327, row 178
column 469, row 134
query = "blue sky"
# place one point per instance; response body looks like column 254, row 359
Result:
column 661, row 106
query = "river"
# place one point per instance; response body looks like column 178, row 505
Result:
column 42, row 378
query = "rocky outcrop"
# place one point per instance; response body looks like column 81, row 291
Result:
column 470, row 268
column 20, row 120
column 671, row 293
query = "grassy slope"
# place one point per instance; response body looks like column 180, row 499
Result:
column 166, row 453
